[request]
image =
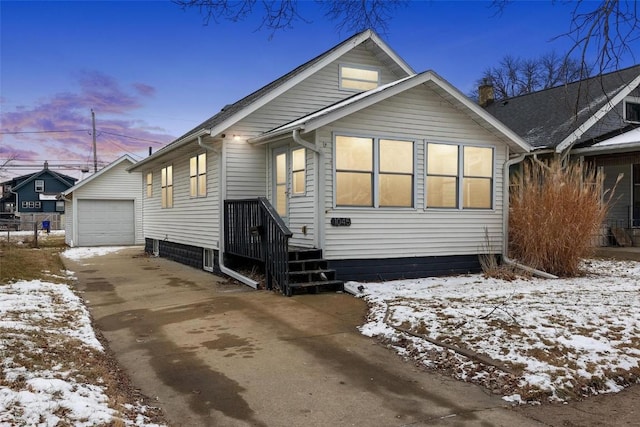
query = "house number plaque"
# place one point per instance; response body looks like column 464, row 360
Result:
column 341, row 222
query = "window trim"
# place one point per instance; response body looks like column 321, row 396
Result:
column 208, row 259
column 629, row 100
column 460, row 176
column 375, row 171
column 59, row 203
column 166, row 187
column 357, row 67
column 39, row 185
column 149, row 184
column 303, row 170
column 199, row 192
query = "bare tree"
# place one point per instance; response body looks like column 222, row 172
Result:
column 3, row 166
column 601, row 32
column 350, row 15
column 515, row 76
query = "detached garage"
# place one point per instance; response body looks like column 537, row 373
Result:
column 106, row 208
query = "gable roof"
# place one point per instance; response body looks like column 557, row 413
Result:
column 106, row 169
column 559, row 117
column 65, row 179
column 365, row 99
column 235, row 112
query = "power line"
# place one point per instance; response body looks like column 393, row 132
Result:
column 131, row 137
column 45, row 131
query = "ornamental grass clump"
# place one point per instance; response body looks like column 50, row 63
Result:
column 555, row 210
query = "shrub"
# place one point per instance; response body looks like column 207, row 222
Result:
column 555, row 209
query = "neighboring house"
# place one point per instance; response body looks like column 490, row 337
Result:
column 105, row 208
column 596, row 120
column 380, row 172
column 34, row 193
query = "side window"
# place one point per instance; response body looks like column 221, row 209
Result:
column 166, row 185
column 298, row 167
column 198, row 175
column 149, row 184
column 39, row 185
column 354, row 171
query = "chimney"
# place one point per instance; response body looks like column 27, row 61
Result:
column 150, row 150
column 46, row 164
column 485, row 94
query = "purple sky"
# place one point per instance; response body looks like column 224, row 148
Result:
column 152, row 71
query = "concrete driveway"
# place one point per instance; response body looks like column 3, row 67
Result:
column 215, row 353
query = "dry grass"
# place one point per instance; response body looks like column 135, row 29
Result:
column 42, row 348
column 555, row 211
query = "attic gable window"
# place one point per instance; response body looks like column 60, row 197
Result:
column 632, row 110
column 39, row 185
column 355, row 77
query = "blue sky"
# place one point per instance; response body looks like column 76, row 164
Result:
column 152, row 71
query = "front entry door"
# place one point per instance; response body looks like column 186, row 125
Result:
column 281, row 182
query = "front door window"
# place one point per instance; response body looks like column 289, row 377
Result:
column 280, row 182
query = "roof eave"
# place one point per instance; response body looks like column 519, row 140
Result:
column 167, row 149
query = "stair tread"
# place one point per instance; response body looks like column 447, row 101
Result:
column 316, row 271
column 320, row 283
column 300, row 261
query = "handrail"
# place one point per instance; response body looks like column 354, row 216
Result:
column 253, row 229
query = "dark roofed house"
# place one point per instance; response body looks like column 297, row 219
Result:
column 596, row 119
column 34, row 193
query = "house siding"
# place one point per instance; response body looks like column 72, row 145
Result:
column 191, row 221
column 619, row 210
column 422, row 116
column 68, row 223
column 116, row 184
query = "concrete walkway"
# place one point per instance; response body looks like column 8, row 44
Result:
column 219, row 354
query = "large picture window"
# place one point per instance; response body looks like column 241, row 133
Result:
column 198, row 175
column 373, row 172
column 166, row 184
column 454, row 171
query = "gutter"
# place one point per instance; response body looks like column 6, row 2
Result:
column 223, row 193
column 176, row 144
column 505, row 219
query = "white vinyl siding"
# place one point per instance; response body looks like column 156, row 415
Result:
column 191, row 221
column 115, row 185
column 419, row 115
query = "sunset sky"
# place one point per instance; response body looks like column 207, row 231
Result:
column 152, row 71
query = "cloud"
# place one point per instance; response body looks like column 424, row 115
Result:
column 59, row 126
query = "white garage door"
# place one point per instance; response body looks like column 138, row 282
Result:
column 106, row 222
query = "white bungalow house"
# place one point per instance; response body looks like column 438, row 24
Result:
column 351, row 166
column 105, row 208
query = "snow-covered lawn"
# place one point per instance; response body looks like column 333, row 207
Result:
column 52, row 367
column 560, row 339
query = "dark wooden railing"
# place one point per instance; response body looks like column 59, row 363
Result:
column 253, row 229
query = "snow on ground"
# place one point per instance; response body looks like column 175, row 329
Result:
column 78, row 254
column 41, row 323
column 561, row 339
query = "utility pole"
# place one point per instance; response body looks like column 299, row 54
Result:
column 93, row 132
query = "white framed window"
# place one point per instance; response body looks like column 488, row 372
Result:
column 149, row 184
column 166, row 184
column 198, row 175
column 374, row 172
column 60, row 206
column 459, row 176
column 631, row 107
column 298, row 167
column 208, row 259
column 39, row 185
column 25, row 204
column 358, row 77
column 37, row 205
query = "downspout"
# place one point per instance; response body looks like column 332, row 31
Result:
column 223, row 193
column 319, row 225
column 505, row 221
